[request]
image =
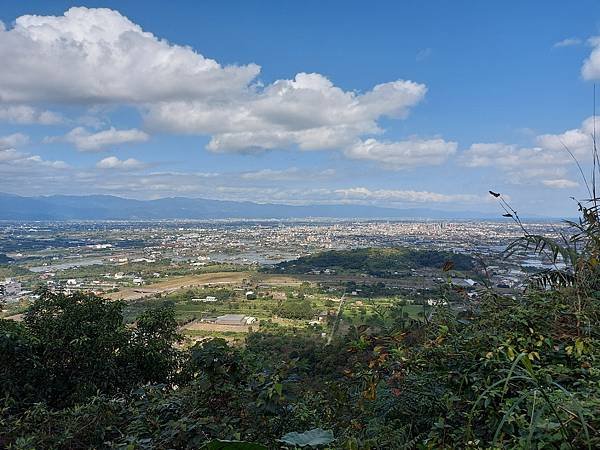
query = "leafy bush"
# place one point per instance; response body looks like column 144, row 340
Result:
column 296, row 309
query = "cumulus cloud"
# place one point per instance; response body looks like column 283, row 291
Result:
column 307, row 111
column 86, row 141
column 591, row 66
column 402, row 154
column 112, row 162
column 578, row 140
column 550, row 150
column 24, row 114
column 546, row 163
column 13, row 140
column 98, row 55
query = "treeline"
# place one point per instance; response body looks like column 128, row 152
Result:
column 380, row 262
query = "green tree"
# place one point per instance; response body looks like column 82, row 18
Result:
column 70, row 347
column 296, row 309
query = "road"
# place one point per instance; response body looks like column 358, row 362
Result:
column 337, row 319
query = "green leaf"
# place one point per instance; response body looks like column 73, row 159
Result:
column 311, row 438
column 528, row 366
column 278, row 388
column 232, row 445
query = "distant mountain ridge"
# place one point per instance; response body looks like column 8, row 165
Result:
column 108, row 207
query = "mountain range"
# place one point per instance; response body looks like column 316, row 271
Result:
column 108, row 207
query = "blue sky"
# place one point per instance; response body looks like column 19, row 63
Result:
column 402, row 104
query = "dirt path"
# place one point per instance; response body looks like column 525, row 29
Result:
column 337, row 319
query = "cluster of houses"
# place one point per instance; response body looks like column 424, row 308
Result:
column 250, row 295
column 10, row 290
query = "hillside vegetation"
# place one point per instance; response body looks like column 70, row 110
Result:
column 375, row 261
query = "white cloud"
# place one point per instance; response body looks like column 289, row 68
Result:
column 13, row 160
column 591, row 66
column 547, row 163
column 86, row 141
column 112, row 162
column 308, row 112
column 38, row 160
column 349, row 195
column 504, row 156
column 410, row 196
column 23, row 114
column 403, row 154
column 13, row 140
column 560, row 183
column 550, row 150
column 521, row 165
column 578, row 140
column 569, row 42
column 98, row 55
column 9, row 155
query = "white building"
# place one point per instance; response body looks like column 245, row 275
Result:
column 436, row 302
column 208, row 299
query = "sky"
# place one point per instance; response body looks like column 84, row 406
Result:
column 397, row 104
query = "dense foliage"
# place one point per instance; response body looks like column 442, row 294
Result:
column 295, row 309
column 71, row 347
column 375, row 261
